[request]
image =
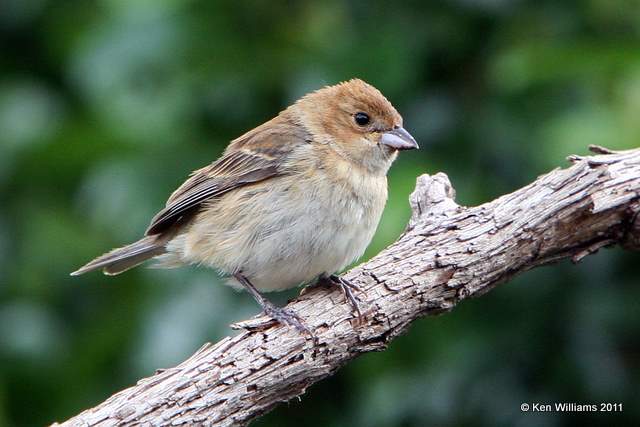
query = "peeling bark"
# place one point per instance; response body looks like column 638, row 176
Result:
column 448, row 253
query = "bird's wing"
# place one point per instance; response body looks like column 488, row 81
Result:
column 255, row 156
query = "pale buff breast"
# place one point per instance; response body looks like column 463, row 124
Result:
column 289, row 231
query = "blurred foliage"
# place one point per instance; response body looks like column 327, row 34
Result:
column 105, row 106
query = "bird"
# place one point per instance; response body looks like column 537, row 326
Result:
column 294, row 200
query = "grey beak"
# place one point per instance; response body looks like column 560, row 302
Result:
column 399, row 139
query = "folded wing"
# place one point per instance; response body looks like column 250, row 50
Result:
column 255, row 156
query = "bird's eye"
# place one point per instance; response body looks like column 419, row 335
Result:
column 362, row 119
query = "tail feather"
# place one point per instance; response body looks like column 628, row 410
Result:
column 122, row 259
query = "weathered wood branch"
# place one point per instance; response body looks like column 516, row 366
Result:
column 448, row 253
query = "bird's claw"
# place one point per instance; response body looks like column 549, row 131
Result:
column 287, row 317
column 347, row 289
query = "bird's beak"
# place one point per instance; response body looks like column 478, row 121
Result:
column 399, row 139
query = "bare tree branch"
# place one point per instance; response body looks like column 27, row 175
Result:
column 448, row 253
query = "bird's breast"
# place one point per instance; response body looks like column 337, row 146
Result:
column 324, row 224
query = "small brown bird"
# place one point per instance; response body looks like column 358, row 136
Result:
column 296, row 199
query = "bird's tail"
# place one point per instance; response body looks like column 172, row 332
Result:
column 122, row 259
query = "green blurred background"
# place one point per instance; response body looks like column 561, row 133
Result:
column 106, row 106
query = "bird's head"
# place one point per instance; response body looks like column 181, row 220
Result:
column 357, row 121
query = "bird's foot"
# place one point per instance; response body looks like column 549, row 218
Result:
column 287, row 317
column 347, row 289
column 281, row 315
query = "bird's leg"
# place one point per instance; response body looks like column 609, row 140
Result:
column 346, row 287
column 282, row 315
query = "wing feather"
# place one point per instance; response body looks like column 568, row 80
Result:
column 253, row 157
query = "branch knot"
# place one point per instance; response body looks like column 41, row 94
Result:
column 434, row 195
